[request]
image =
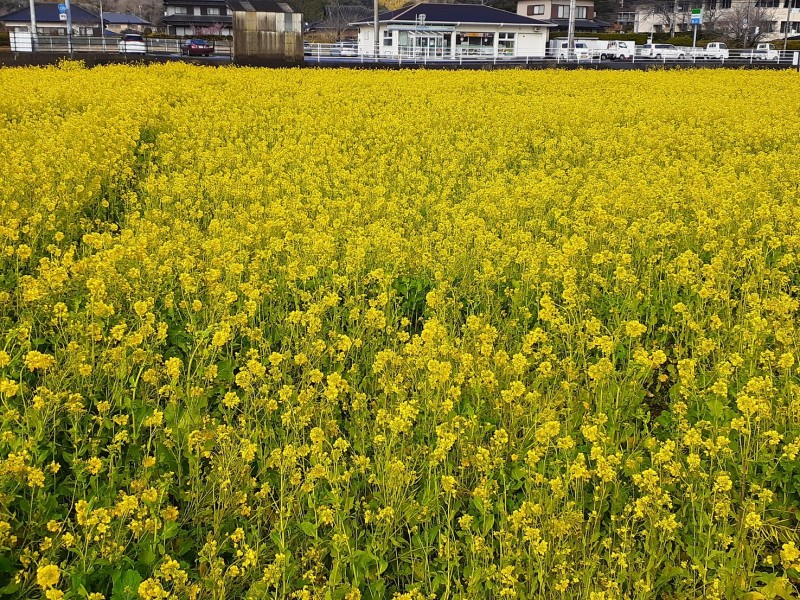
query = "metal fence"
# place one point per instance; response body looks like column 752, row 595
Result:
column 109, row 44
column 351, row 53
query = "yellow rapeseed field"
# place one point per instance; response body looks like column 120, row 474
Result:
column 418, row 335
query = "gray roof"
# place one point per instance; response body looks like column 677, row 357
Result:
column 189, row 20
column 592, row 24
column 112, row 18
column 47, row 12
column 269, row 6
column 457, row 13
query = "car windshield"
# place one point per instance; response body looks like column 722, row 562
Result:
column 134, row 38
column 197, row 42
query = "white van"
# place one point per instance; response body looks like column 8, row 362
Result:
column 662, row 51
column 581, row 51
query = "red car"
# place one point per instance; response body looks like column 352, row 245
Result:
column 197, row 48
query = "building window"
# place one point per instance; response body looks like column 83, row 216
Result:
column 476, row 39
column 212, row 11
column 387, row 38
column 711, row 4
column 563, row 12
column 180, row 10
column 505, row 42
column 535, row 9
column 725, row 3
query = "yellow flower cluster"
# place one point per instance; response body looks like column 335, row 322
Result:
column 309, row 334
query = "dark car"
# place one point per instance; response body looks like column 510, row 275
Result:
column 197, row 48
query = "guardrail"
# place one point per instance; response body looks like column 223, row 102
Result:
column 113, row 45
column 350, row 53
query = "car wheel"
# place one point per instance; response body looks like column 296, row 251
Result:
column 681, row 56
column 658, row 57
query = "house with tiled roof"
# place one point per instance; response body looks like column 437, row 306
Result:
column 428, row 30
column 119, row 22
column 50, row 22
column 197, row 17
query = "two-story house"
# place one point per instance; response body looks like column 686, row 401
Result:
column 197, row 17
column 557, row 11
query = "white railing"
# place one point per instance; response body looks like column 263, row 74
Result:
column 111, row 45
column 350, row 52
column 412, row 53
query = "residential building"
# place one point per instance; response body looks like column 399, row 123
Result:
column 428, row 30
column 742, row 20
column 197, row 17
column 50, row 22
column 124, row 22
column 557, row 11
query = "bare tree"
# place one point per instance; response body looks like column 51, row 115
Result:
column 338, row 17
column 663, row 13
column 711, row 17
column 746, row 24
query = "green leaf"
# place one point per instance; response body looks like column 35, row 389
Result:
column 309, row 529
column 126, row 587
column 716, row 407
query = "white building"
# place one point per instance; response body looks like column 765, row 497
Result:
column 453, row 31
column 733, row 18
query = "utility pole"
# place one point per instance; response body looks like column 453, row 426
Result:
column 69, row 26
column 102, row 26
column 571, row 31
column 34, row 39
column 746, row 25
column 789, row 4
column 674, row 18
column 376, row 29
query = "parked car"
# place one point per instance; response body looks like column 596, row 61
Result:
column 616, row 49
column 763, row 51
column 197, row 48
column 132, row 43
column 580, row 51
column 662, row 51
column 344, row 49
column 714, row 50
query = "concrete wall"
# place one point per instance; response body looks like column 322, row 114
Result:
column 268, row 36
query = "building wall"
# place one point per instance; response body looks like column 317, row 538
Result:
column 120, row 27
column 645, row 21
column 549, row 9
column 262, row 35
column 44, row 28
column 189, row 30
column 528, row 41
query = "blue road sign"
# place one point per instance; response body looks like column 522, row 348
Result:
column 62, row 9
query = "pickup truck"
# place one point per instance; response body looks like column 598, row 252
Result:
column 713, row 50
column 763, row 51
column 614, row 49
